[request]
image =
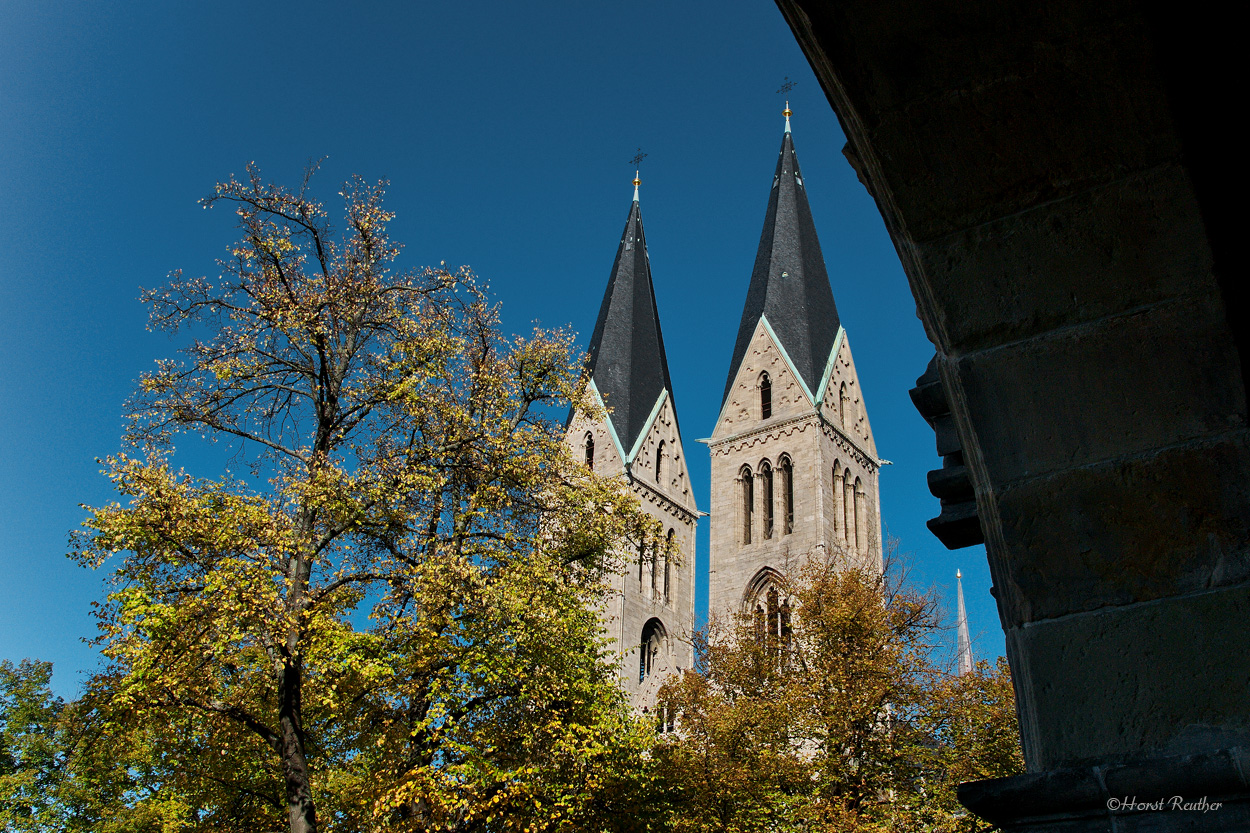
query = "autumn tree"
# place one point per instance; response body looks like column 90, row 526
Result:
column 386, row 620
column 836, row 719
column 32, row 750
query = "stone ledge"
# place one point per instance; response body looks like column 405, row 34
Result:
column 1079, row 800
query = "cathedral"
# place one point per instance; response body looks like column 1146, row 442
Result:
column 793, row 465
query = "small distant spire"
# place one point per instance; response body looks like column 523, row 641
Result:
column 637, row 182
column 786, row 113
column 964, row 644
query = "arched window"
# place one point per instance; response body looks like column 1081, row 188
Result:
column 668, row 557
column 839, row 522
column 748, row 501
column 766, row 396
column 766, row 475
column 659, row 461
column 842, row 403
column 590, row 451
column 654, row 566
column 651, row 650
column 642, row 557
column 861, row 518
column 771, row 609
column 848, row 506
column 787, row 495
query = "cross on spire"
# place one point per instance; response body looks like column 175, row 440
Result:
column 637, row 160
column 787, row 86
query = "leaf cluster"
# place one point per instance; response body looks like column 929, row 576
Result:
column 840, row 722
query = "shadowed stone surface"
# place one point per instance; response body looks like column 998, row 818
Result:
column 1057, row 180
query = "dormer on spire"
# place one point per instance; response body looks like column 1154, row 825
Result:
column 789, row 284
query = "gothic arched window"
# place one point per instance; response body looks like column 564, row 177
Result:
column 766, row 396
column 766, row 475
column 668, row 557
column 839, row 522
column 848, row 507
column 659, row 461
column 748, row 501
column 641, row 559
column 787, row 495
column 651, row 649
column 590, row 451
column 861, row 518
column 771, row 610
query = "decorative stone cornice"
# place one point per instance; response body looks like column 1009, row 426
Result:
column 786, row 428
column 849, row 445
column 658, row 498
column 755, row 436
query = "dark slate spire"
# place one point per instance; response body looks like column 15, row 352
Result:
column 627, row 359
column 789, row 283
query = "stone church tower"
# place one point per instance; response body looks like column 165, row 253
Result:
column 794, row 466
column 651, row 613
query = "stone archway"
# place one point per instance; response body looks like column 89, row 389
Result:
column 1054, row 177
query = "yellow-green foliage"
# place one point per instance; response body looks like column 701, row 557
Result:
column 389, row 624
column 844, row 724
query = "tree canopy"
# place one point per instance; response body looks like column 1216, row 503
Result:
column 824, row 709
column 390, row 622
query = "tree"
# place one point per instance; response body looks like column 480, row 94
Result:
column 831, row 718
column 31, row 749
column 389, row 622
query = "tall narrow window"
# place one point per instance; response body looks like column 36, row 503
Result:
column 659, row 461
column 748, row 501
column 766, row 474
column 842, row 401
column 774, row 620
column 655, row 557
column 787, row 495
column 783, row 624
column 848, row 506
column 641, row 559
column 766, row 396
column 653, row 644
column 590, row 451
column 861, row 518
column 668, row 558
column 839, row 523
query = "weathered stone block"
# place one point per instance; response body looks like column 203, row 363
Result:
column 932, row 150
column 1122, row 386
column 1098, row 691
column 1129, row 244
column 1126, row 532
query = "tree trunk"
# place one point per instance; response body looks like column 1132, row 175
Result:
column 299, row 797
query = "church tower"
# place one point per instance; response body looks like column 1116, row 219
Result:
column 794, row 465
column 650, row 615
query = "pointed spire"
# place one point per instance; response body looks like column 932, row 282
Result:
column 627, row 360
column 964, row 643
column 789, row 283
column 786, row 113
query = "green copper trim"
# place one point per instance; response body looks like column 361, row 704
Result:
column 769, row 327
column 833, row 357
column 608, row 419
column 646, row 427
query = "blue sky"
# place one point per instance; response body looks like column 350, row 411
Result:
column 505, row 130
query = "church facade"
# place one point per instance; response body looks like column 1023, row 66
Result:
column 793, row 464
